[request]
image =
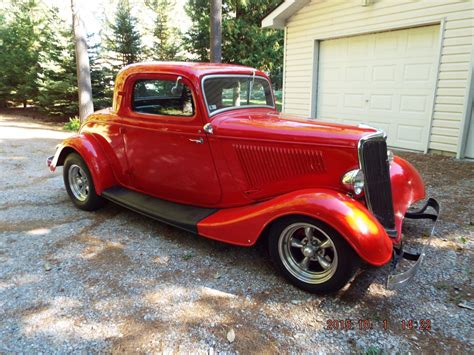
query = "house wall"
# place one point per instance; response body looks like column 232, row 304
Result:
column 321, row 20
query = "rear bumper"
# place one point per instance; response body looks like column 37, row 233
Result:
column 398, row 279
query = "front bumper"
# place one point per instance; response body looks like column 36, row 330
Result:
column 398, row 279
column 49, row 160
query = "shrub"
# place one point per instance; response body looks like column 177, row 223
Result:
column 73, row 125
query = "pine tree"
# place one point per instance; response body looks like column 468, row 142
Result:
column 4, row 86
column 243, row 39
column 196, row 39
column 246, row 42
column 166, row 44
column 20, row 34
column 56, row 79
column 124, row 44
column 102, row 77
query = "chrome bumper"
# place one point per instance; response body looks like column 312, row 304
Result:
column 396, row 280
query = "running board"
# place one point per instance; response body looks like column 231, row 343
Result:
column 182, row 216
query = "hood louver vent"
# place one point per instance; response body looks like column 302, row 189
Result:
column 263, row 164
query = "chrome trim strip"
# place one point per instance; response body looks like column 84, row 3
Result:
column 237, row 107
column 394, row 280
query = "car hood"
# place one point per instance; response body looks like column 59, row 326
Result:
column 271, row 125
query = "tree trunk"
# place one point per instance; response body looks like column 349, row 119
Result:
column 216, row 31
column 86, row 107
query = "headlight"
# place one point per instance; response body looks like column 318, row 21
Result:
column 354, row 181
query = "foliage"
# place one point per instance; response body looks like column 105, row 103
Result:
column 56, row 77
column 197, row 38
column 102, row 77
column 166, row 38
column 246, row 43
column 243, row 39
column 38, row 60
column 37, row 56
column 73, row 125
column 19, row 51
column 124, row 46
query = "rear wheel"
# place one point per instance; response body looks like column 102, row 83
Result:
column 311, row 255
column 79, row 184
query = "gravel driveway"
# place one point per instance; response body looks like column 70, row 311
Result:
column 113, row 280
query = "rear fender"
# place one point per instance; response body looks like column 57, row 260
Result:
column 87, row 147
column 243, row 225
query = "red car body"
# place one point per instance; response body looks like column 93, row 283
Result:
column 256, row 166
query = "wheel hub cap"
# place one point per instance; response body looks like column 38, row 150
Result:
column 78, row 182
column 308, row 253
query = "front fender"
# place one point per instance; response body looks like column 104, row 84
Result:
column 243, row 225
column 90, row 151
column 407, row 188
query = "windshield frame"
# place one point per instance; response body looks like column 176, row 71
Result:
column 213, row 76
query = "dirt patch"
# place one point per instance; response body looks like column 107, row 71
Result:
column 449, row 180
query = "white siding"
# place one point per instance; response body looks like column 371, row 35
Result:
column 334, row 18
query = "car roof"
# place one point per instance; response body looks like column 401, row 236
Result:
column 195, row 69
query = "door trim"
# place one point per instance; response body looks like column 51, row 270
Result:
column 468, row 113
column 435, row 87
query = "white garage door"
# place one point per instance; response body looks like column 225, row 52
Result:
column 385, row 80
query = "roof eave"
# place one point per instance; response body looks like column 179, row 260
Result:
column 277, row 18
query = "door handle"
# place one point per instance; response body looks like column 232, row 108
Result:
column 199, row 140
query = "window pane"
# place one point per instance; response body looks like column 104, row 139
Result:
column 163, row 97
column 234, row 92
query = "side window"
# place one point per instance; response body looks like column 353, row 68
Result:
column 162, row 97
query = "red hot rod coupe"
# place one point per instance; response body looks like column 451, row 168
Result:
column 203, row 148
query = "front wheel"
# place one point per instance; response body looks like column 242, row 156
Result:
column 79, row 184
column 311, row 255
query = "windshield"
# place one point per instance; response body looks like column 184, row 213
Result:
column 232, row 92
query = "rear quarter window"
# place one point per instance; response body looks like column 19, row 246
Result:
column 162, row 97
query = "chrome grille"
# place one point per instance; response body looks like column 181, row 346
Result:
column 378, row 191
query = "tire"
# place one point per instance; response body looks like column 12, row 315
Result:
column 79, row 184
column 294, row 245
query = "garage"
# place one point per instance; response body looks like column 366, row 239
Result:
column 385, row 80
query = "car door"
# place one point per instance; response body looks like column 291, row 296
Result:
column 168, row 152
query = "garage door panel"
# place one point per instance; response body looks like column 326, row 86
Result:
column 355, row 73
column 413, row 104
column 358, row 48
column 387, row 44
column 421, row 38
column 385, row 80
column 354, row 101
column 381, row 103
column 418, row 72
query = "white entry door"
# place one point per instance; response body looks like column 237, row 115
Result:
column 385, row 80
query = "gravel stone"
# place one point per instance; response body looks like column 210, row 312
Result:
column 113, row 280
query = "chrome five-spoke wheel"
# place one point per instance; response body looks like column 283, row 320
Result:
column 308, row 253
column 311, row 254
column 78, row 182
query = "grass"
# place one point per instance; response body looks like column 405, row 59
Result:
column 187, row 255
